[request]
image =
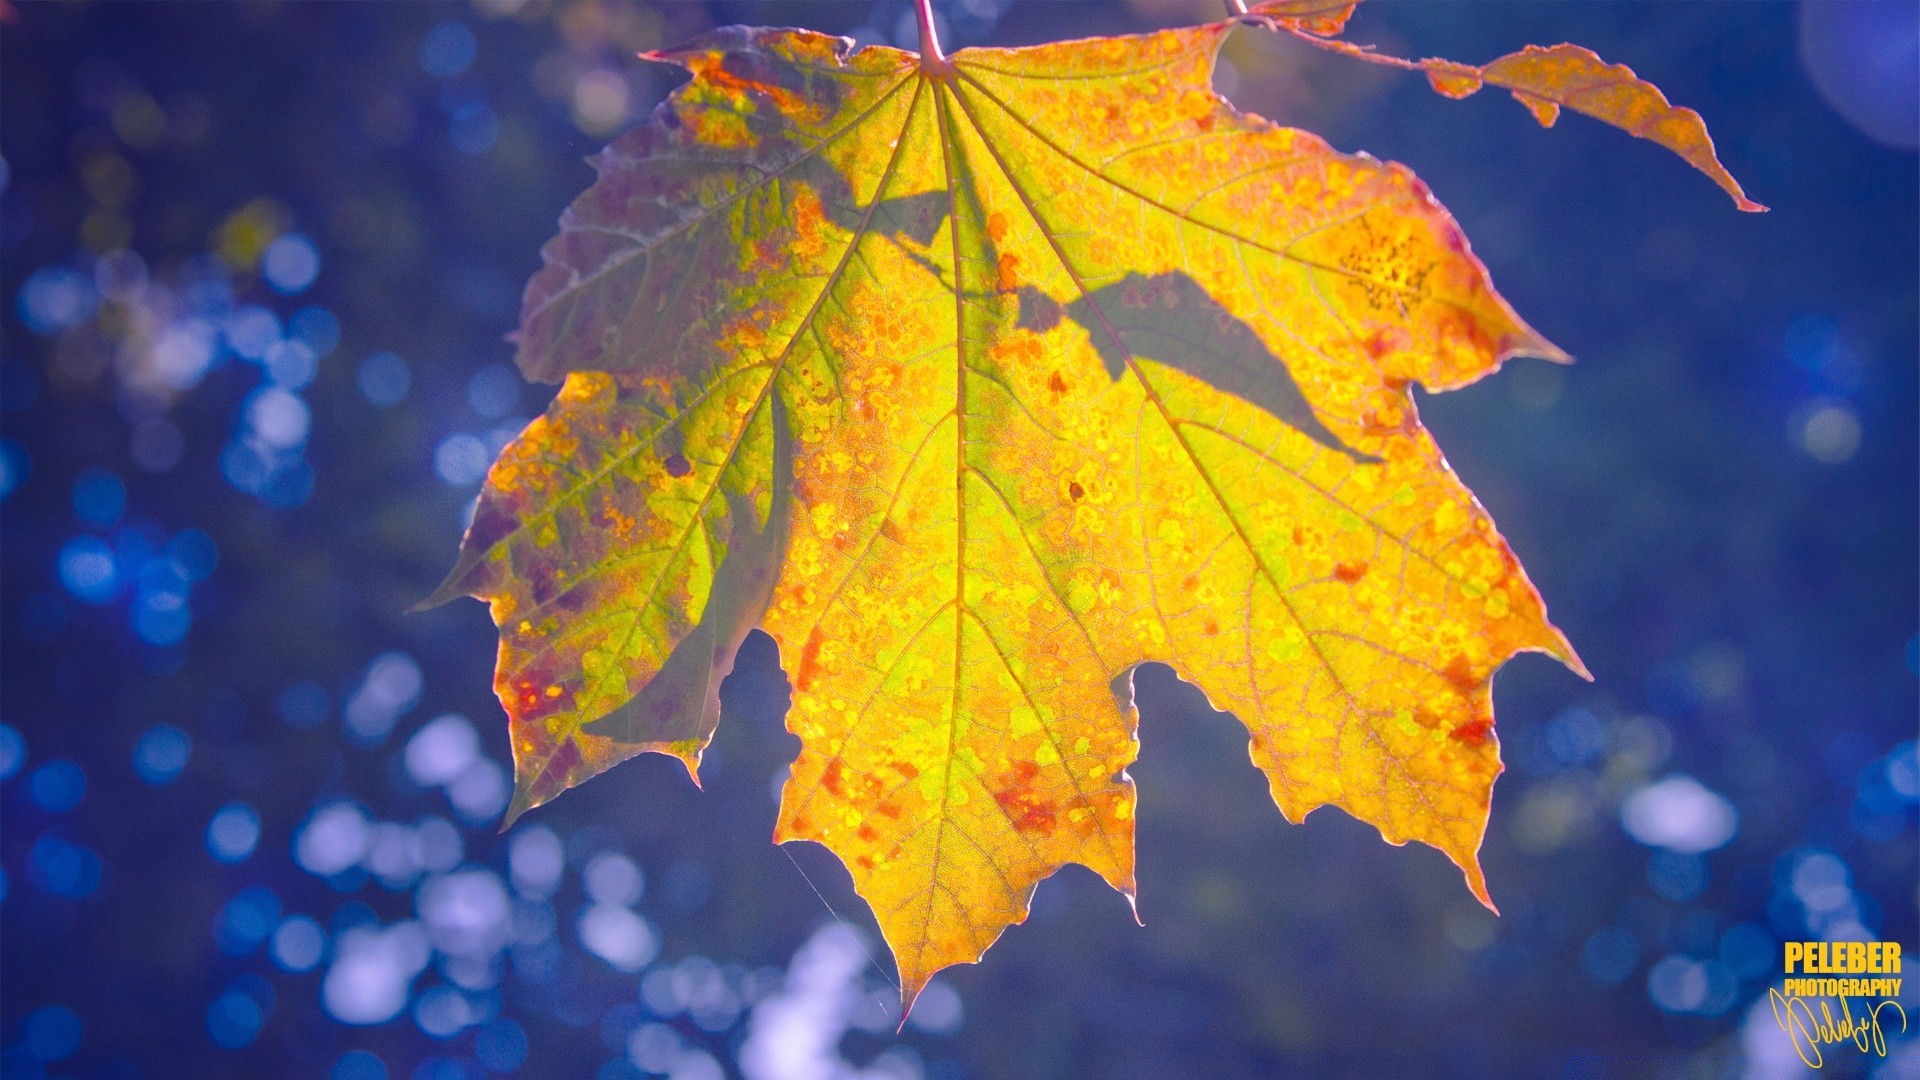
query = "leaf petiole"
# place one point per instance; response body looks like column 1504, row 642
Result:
column 932, row 60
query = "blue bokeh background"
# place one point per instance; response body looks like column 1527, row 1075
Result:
column 257, row 261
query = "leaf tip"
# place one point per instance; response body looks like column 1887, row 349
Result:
column 521, row 804
column 433, row 600
column 910, row 987
column 1477, row 882
column 692, row 762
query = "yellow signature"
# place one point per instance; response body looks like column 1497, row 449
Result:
column 1809, row 1032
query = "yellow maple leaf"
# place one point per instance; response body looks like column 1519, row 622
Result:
column 977, row 382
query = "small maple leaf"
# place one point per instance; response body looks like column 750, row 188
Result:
column 977, row 382
column 1545, row 80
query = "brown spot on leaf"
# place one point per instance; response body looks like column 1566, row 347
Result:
column 677, row 465
column 1460, row 674
column 1056, row 384
column 809, row 668
column 1473, row 732
column 1009, row 276
column 1075, row 491
column 1027, row 809
column 1350, row 572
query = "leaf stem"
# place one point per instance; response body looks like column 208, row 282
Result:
column 1236, row 7
column 932, row 59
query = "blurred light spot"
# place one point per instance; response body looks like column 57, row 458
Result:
column 316, row 328
column 1681, row 815
column 233, row 833
column 494, row 391
column 99, row 496
column 439, row 844
column 162, row 754
column 795, row 1033
column 298, row 944
column 1903, row 770
column 291, row 364
column 1537, row 387
column 443, row 1012
column 120, row 275
column 618, row 936
column 196, row 553
column 372, row 973
column 58, row 786
column 655, row 1047
column 1821, row 882
column 251, row 331
column 533, row 922
column 1576, row 737
column 291, row 264
column 246, row 920
column 441, row 750
column 448, row 49
column 156, row 445
column 465, row 913
column 1865, row 61
column 13, row 467
column 186, row 349
column 1677, row 984
column 359, row 1065
column 138, row 120
column 501, row 1045
column 333, row 840
column 55, row 298
column 162, row 619
column 59, row 868
column 384, row 379
column 480, row 792
column 612, row 878
column 392, row 687
column 461, row 460
column 1552, row 814
column 535, row 859
column 53, row 1033
column 304, row 704
column 234, row 1020
column 1828, row 431
column 393, row 855
column 474, row 128
column 1469, row 927
column 937, row 1010
column 1814, row 344
column 13, row 751
column 1611, row 954
column 87, row 570
column 278, row 418
column 600, row 101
